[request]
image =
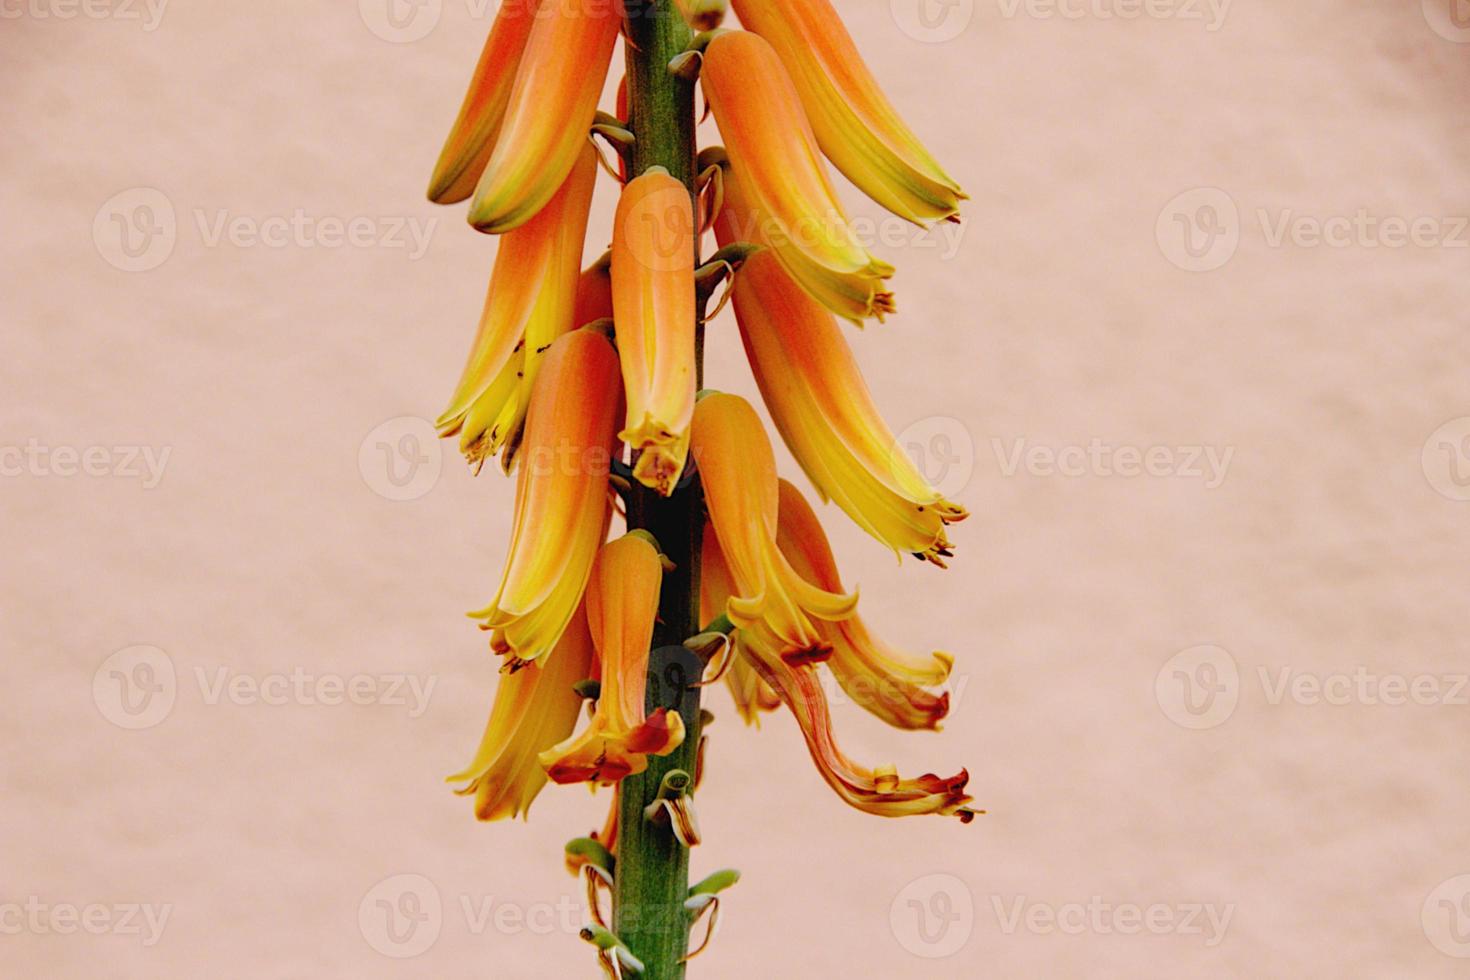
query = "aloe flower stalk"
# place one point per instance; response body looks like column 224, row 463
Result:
column 653, row 544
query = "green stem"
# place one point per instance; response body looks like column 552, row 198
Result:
column 652, row 879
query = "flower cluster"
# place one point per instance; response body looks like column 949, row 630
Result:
column 583, row 381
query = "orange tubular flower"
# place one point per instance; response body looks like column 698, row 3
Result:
column 534, row 708
column 878, row 791
column 774, row 156
column 887, row 683
column 562, row 505
column 468, row 147
column 817, row 397
column 594, row 293
column 738, row 472
column 531, row 301
column 622, row 604
column 549, row 112
column 752, row 695
column 858, row 129
column 653, row 309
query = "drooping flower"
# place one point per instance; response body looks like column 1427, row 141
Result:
column 774, row 157
column 531, row 301
column 549, row 112
column 821, row 406
column 738, row 471
column 534, row 709
column 562, row 507
column 888, row 683
column 857, row 127
column 653, row 309
column 622, row 604
column 752, row 695
column 878, row 791
column 472, row 138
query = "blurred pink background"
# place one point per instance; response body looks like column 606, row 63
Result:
column 1215, row 708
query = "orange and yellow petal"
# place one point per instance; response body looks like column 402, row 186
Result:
column 562, row 506
column 653, row 310
column 888, row 683
column 531, row 301
column 856, row 126
column 622, row 604
column 549, row 111
column 594, row 292
column 878, row 791
column 534, row 708
column 738, row 471
column 778, row 166
column 822, row 407
column 472, row 138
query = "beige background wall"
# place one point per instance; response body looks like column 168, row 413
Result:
column 1330, row 540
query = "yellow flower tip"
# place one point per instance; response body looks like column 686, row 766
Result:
column 549, row 112
column 660, row 457
column 854, row 123
column 472, row 138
